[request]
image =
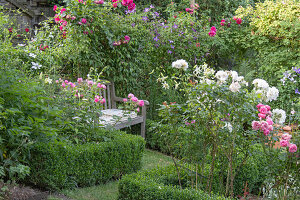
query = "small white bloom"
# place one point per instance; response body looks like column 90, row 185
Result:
column 180, row 64
column 278, row 116
column 260, row 83
column 48, row 80
column 222, row 76
column 208, row 72
column 234, row 75
column 32, row 55
column 197, row 71
column 234, row 87
column 165, row 85
column 21, row 45
column 272, row 94
column 228, row 126
column 35, row 65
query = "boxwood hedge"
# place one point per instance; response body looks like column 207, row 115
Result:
column 63, row 165
column 162, row 184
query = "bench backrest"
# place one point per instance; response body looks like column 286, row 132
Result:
column 109, row 95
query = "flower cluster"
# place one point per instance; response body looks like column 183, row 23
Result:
column 237, row 81
column 237, row 20
column 125, row 41
column 133, row 103
column 267, row 93
column 279, row 116
column 285, row 142
column 212, row 32
column 266, row 126
column 180, row 64
column 127, row 3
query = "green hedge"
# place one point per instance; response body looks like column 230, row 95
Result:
column 60, row 165
column 162, row 184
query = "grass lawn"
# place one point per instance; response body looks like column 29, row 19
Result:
column 109, row 191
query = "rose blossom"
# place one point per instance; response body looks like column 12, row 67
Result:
column 264, row 126
column 256, row 125
column 266, row 132
column 126, row 37
column 102, row 101
column 239, row 21
column 263, row 110
column 54, row 7
column 115, row 5
column 141, row 103
column 292, row 148
column 269, row 121
column 125, row 100
column 131, row 6
column 263, row 116
column 83, row 20
column 286, row 136
column 284, row 143
column 134, row 99
column 259, row 105
column 79, row 80
column 62, row 10
column 130, row 95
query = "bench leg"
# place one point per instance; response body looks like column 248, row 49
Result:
column 143, row 129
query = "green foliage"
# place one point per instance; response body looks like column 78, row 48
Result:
column 64, row 165
column 160, row 183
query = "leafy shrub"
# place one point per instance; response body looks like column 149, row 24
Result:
column 64, row 165
column 159, row 184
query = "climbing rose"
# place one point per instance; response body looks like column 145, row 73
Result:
column 263, row 110
column 62, row 10
column 115, row 5
column 263, row 116
column 222, row 22
column 239, row 21
column 141, row 103
column 284, row 143
column 292, row 148
column 126, row 37
column 96, row 99
column 270, row 121
column 130, row 95
column 83, row 20
column 27, row 30
column 131, row 6
column 54, row 7
column 102, row 101
column 134, row 99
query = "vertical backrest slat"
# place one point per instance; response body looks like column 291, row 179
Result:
column 108, row 96
column 104, row 96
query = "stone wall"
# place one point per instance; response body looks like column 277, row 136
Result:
column 32, row 11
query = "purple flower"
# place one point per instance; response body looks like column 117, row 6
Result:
column 296, row 70
column 155, row 14
column 166, row 26
column 144, row 18
column 133, row 24
column 175, row 26
column 146, row 9
column 156, row 45
column 172, row 46
column 151, row 6
column 171, row 41
column 297, row 91
column 194, row 30
column 169, row 51
column 155, row 38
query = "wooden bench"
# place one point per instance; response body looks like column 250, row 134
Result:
column 110, row 107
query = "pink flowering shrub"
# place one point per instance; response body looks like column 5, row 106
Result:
column 132, row 103
column 265, row 123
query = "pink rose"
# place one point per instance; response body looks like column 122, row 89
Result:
column 131, row 6
column 141, row 103
column 96, row 99
column 63, row 85
column 187, row 9
column 66, row 81
column 83, row 20
column 54, row 7
column 269, row 121
column 263, row 116
column 115, row 5
column 99, row 85
column 292, row 148
column 125, row 100
column 186, row 123
column 212, row 33
column 99, row 2
column 72, row 85
column 270, row 128
column 222, row 22
column 259, row 105
column 134, row 99
column 266, row 132
column 239, row 21
column 64, row 23
column 193, row 121
column 268, row 107
column 264, row 126
column 57, row 19
column 114, row 1
column 235, row 18
column 284, row 143
column 79, row 80
column 80, row 1
column 126, row 37
column 263, row 110
column 138, row 109
column 90, row 83
column 61, row 28
column 256, row 125
column 213, row 29
column 62, row 10
column 57, row 81
column 286, row 137
column 102, row 101
column 130, row 95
